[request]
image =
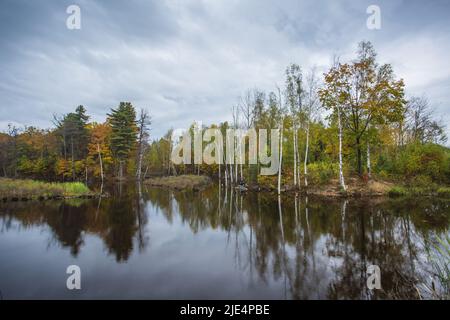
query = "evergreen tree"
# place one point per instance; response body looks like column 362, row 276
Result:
column 74, row 135
column 123, row 132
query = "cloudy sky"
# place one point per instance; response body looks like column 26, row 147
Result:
column 186, row 60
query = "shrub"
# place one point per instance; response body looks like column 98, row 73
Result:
column 11, row 188
column 320, row 173
column 397, row 191
column 383, row 175
column 429, row 160
column 74, row 188
column 421, row 181
column 444, row 191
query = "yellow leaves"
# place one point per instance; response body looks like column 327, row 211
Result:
column 100, row 135
column 63, row 167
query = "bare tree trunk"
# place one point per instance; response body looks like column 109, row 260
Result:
column 369, row 169
column 359, row 155
column 239, row 166
column 145, row 173
column 65, row 146
column 144, row 123
column 231, row 174
column 341, row 173
column 306, row 155
column 225, row 169
column 169, row 163
column 73, row 160
column 101, row 162
column 237, row 145
column 281, row 157
column 298, row 165
column 120, row 170
column 220, row 160
column 295, row 155
column 226, row 176
column 139, row 168
column 174, row 169
column 280, row 105
column 242, row 175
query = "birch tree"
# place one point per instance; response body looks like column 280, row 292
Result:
column 364, row 94
column 312, row 104
column 280, row 164
column 329, row 96
column 294, row 92
column 341, row 169
column 247, row 108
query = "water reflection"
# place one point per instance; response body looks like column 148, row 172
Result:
column 292, row 247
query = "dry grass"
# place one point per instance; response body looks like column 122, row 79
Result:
column 183, row 182
column 332, row 188
column 15, row 189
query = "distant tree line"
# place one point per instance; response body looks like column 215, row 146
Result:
column 353, row 121
column 77, row 149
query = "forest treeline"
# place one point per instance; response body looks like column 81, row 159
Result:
column 354, row 120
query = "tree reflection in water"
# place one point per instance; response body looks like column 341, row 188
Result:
column 318, row 248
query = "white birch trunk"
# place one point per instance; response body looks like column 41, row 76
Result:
column 141, row 155
column 225, row 170
column 281, row 157
column 298, row 165
column 220, row 160
column 306, row 155
column 341, row 172
column 295, row 156
column 145, row 172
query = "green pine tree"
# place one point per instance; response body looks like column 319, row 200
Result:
column 123, row 132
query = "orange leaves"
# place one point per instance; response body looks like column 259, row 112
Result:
column 100, row 135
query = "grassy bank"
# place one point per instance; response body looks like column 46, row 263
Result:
column 356, row 187
column 408, row 191
column 183, row 182
column 14, row 189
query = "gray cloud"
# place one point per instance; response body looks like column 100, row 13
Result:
column 190, row 60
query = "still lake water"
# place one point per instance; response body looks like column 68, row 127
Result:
column 155, row 243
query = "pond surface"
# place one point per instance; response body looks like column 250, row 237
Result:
column 154, row 243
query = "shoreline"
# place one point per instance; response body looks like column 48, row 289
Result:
column 14, row 190
column 181, row 182
column 355, row 188
column 46, row 198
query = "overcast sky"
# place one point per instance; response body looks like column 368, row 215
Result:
column 186, row 60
